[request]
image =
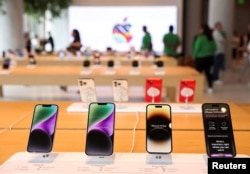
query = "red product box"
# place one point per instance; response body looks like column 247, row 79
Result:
column 187, row 90
column 153, row 90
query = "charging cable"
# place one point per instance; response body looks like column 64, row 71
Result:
column 134, row 132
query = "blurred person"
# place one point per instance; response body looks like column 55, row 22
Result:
column 147, row 45
column 203, row 53
column 28, row 45
column 248, row 32
column 219, row 59
column 76, row 44
column 235, row 47
column 73, row 48
column 36, row 44
column 50, row 41
column 171, row 42
column 246, row 57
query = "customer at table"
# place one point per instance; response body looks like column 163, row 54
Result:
column 204, row 51
column 76, row 44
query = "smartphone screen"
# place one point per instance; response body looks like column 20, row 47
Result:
column 218, row 130
column 100, row 129
column 158, row 129
column 120, row 90
column 43, row 128
column 87, row 90
column 187, row 88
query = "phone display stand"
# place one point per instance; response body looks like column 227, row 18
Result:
column 186, row 105
column 135, row 67
column 86, row 67
column 100, row 159
column 43, row 158
column 159, row 159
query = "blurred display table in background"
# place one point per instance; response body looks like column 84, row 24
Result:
column 68, row 75
column 75, row 61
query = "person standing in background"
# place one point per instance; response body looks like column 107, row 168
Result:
column 171, row 42
column 36, row 44
column 235, row 47
column 147, row 45
column 204, row 51
column 50, row 41
column 219, row 59
column 248, row 32
column 76, row 44
column 246, row 57
column 27, row 42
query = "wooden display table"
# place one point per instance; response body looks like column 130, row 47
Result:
column 188, row 134
column 68, row 75
column 74, row 61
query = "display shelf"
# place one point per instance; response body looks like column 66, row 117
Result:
column 78, row 162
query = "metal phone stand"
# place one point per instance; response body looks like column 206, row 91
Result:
column 43, row 157
column 159, row 159
column 101, row 159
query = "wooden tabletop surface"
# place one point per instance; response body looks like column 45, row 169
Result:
column 188, row 134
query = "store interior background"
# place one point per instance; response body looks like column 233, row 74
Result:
column 234, row 14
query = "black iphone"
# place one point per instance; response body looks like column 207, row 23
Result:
column 158, row 129
column 100, row 129
column 218, row 129
column 42, row 129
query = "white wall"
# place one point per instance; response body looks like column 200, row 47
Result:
column 13, row 25
column 60, row 30
column 11, row 30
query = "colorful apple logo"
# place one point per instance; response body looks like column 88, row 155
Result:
column 121, row 32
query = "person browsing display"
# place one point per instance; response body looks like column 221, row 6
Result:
column 76, row 44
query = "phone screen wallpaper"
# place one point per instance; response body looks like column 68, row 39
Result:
column 100, row 133
column 43, row 127
column 219, row 132
column 158, row 129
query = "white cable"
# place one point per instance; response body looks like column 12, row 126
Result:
column 134, row 131
column 21, row 118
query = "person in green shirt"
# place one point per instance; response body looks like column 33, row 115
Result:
column 146, row 40
column 171, row 42
column 203, row 51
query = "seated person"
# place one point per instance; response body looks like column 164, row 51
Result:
column 76, row 44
